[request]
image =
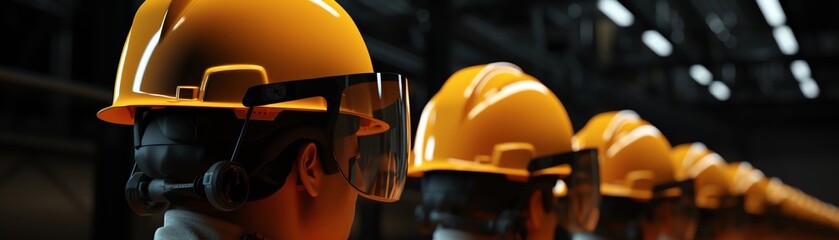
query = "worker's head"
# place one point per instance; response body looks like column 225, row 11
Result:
column 491, row 145
column 641, row 194
column 263, row 112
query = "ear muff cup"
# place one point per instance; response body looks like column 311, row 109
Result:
column 134, row 194
column 226, row 185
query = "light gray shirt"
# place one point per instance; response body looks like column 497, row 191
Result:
column 185, row 225
column 441, row 233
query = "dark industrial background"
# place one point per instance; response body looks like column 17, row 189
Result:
column 62, row 171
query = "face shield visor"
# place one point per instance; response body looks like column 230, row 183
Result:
column 367, row 120
column 683, row 212
column 579, row 208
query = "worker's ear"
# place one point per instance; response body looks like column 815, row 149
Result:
column 536, row 211
column 309, row 169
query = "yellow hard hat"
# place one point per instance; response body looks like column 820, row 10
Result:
column 776, row 191
column 760, row 196
column 821, row 212
column 634, row 155
column 490, row 118
column 810, row 212
column 807, row 208
column 695, row 161
column 833, row 215
column 191, row 53
column 753, row 185
column 795, row 204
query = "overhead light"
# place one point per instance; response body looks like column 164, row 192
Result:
column 800, row 69
column 809, row 88
column 785, row 39
column 719, row 90
column 773, row 12
column 700, row 74
column 715, row 23
column 656, row 42
column 617, row 12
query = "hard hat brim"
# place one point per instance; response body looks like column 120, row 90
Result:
column 124, row 114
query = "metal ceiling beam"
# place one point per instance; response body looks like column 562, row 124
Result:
column 394, row 55
column 42, row 82
column 61, row 9
column 645, row 19
column 481, row 33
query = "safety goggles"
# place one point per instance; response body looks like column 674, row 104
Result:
column 367, row 117
column 583, row 187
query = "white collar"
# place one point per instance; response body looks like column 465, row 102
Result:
column 183, row 224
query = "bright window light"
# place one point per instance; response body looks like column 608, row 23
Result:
column 700, row 74
column 656, row 42
column 617, row 12
column 773, row 12
column 719, row 90
column 809, row 88
column 786, row 40
column 800, row 69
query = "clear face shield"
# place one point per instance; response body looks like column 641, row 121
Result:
column 682, row 212
column 579, row 207
column 367, row 120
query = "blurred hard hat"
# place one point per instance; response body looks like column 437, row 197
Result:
column 634, row 156
column 490, row 118
column 695, row 161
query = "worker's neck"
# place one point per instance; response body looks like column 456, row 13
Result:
column 441, row 233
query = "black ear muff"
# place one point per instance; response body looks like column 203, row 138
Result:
column 174, row 147
column 137, row 195
column 226, row 185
